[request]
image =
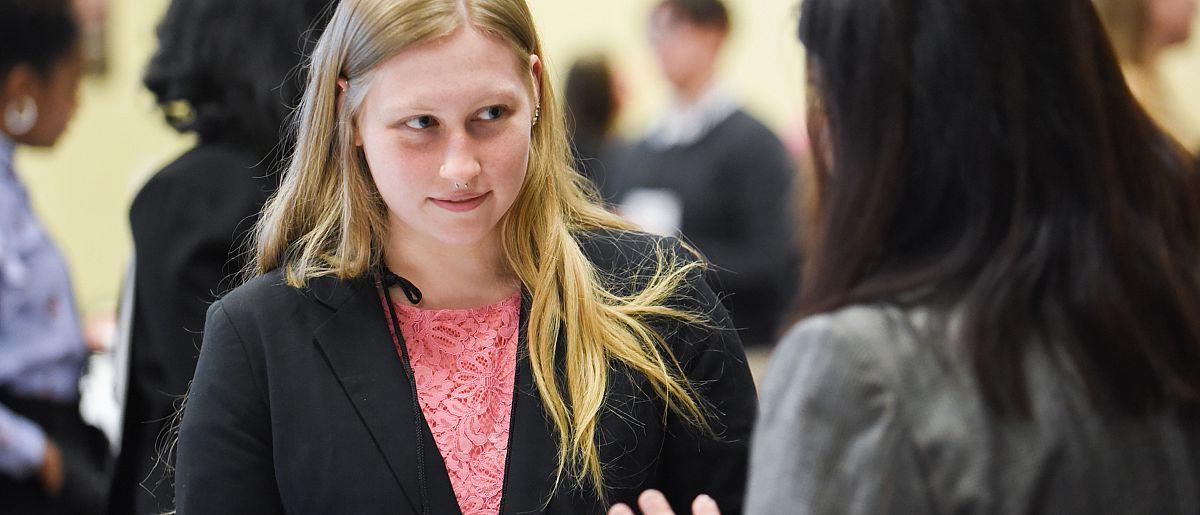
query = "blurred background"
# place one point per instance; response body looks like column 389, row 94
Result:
column 83, row 187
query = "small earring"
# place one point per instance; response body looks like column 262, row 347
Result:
column 21, row 116
column 537, row 114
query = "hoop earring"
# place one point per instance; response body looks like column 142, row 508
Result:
column 21, row 116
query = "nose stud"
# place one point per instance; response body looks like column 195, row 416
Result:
column 460, row 185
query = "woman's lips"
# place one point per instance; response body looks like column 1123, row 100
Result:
column 462, row 204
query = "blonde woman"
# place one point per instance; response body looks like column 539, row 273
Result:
column 430, row 231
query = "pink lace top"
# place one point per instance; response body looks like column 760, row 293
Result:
column 465, row 366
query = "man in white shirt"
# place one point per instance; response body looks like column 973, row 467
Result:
column 711, row 173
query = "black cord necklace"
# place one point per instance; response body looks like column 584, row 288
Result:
column 386, row 279
column 410, row 290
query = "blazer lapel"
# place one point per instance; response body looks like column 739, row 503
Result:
column 359, row 348
column 532, row 459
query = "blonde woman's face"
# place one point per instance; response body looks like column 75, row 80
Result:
column 1171, row 20
column 446, row 129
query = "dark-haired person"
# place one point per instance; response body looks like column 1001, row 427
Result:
column 1003, row 291
column 1002, row 294
column 51, row 462
column 593, row 98
column 226, row 71
column 713, row 173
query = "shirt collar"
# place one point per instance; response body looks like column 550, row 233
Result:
column 685, row 123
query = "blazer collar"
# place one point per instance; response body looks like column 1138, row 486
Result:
column 333, row 292
column 358, row 347
column 532, row 457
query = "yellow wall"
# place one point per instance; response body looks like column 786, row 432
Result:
column 83, row 187
column 1182, row 68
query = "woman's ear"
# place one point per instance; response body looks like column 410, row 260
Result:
column 535, row 69
column 343, row 87
column 21, row 81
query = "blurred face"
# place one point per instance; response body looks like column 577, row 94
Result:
column 685, row 52
column 55, row 93
column 446, row 128
column 1171, row 20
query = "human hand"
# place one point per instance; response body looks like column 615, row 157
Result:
column 652, row 502
column 99, row 331
column 51, row 473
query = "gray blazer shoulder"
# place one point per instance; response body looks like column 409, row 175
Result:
column 831, row 435
column 876, row 409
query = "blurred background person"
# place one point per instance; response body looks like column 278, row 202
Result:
column 714, row 174
column 594, row 97
column 1002, row 285
column 228, row 72
column 51, row 462
column 1142, row 31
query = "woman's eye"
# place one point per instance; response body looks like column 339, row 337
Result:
column 492, row 113
column 421, row 122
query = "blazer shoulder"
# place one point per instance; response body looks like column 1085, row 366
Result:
column 884, row 337
column 267, row 295
column 223, row 183
column 619, row 252
column 871, row 325
column 210, row 168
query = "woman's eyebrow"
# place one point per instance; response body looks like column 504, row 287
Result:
column 410, row 107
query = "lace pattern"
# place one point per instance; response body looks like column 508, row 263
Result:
column 465, row 367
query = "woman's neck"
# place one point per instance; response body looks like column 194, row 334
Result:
column 451, row 276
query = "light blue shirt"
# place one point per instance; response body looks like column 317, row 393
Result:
column 42, row 351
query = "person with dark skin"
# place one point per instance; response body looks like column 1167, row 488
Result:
column 50, row 460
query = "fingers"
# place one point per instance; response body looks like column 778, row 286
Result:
column 51, row 473
column 705, row 505
column 620, row 509
column 653, row 502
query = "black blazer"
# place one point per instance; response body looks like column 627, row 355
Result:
column 300, row 405
column 187, row 223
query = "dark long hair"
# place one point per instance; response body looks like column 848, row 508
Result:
column 36, row 32
column 228, row 70
column 591, row 96
column 989, row 156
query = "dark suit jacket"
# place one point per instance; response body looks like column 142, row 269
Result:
column 735, row 188
column 300, row 405
column 188, row 223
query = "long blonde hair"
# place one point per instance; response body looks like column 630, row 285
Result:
column 328, row 219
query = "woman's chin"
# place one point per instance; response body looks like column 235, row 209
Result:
column 462, row 236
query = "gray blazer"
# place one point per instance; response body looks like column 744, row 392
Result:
column 870, row 409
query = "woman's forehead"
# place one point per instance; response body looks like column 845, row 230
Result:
column 465, row 64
